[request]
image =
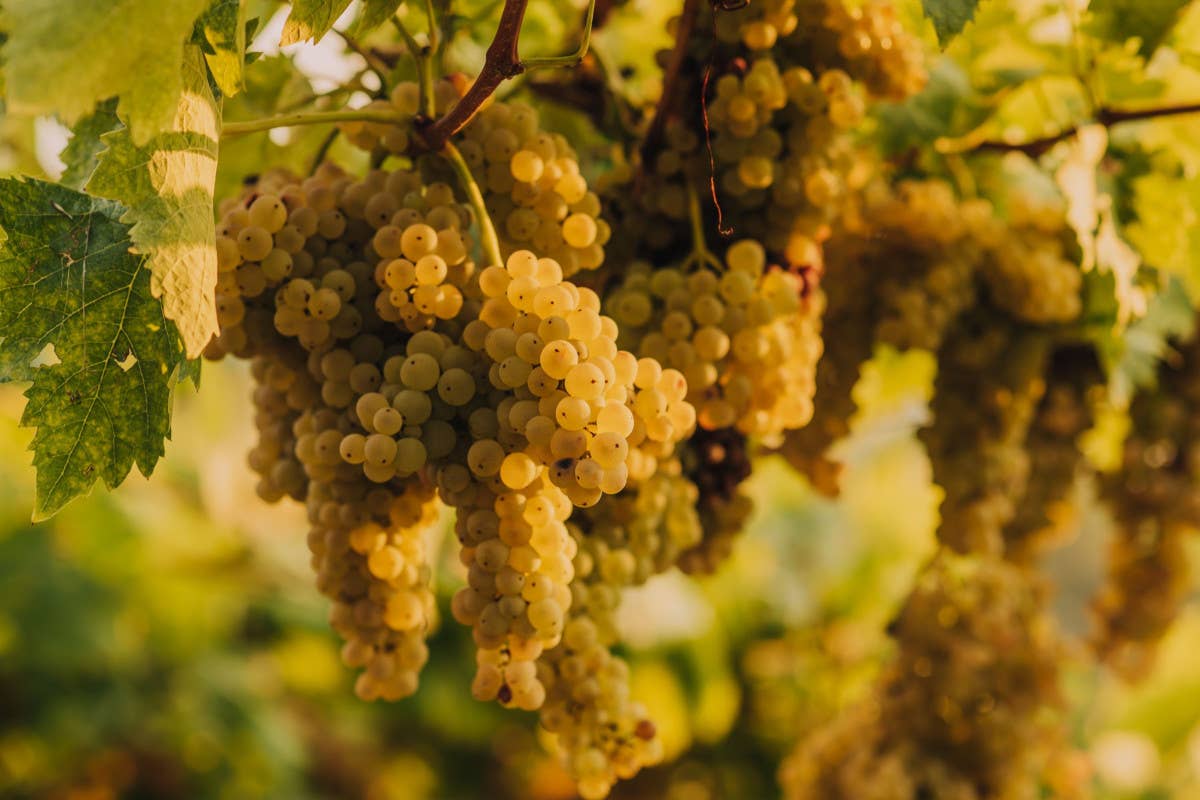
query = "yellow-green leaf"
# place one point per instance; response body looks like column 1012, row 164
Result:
column 70, row 285
column 311, row 19
column 1167, row 230
column 224, row 25
column 167, row 185
column 372, row 14
column 82, row 153
column 66, row 56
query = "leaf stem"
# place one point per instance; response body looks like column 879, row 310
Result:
column 232, row 129
column 571, row 59
column 489, row 241
column 323, row 150
column 376, row 65
column 435, row 30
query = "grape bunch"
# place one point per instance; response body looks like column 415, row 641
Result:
column 1056, row 462
column 718, row 462
column 866, row 40
column 1031, row 268
column 989, row 384
column 962, row 710
column 533, row 188
column 906, row 264
column 393, row 373
column 721, row 328
column 899, row 270
column 1156, row 507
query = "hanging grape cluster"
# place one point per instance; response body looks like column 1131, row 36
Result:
column 960, row 711
column 1155, row 504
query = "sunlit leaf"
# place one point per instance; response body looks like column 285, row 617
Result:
column 1167, row 230
column 66, row 56
column 68, row 279
column 372, row 14
column 167, row 186
column 311, row 20
column 224, row 27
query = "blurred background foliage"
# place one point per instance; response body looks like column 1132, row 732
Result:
column 165, row 640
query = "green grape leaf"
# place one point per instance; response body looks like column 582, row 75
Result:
column 1131, row 354
column 311, row 19
column 949, row 17
column 224, row 26
column 1148, row 21
column 372, row 14
column 1167, row 229
column 82, row 153
column 949, row 106
column 68, row 280
column 167, row 186
column 65, row 57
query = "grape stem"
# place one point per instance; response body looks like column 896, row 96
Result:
column 700, row 255
column 502, row 61
column 323, row 150
column 1034, row 148
column 424, row 56
column 232, row 129
column 487, row 230
column 374, row 63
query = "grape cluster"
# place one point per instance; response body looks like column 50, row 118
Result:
column 866, row 40
column 1031, row 269
column 747, row 339
column 1065, row 412
column 904, row 266
column 900, row 269
column 989, row 383
column 605, row 734
column 1156, row 507
column 962, row 710
column 639, row 533
column 533, row 188
column 718, row 462
column 530, row 178
column 377, row 573
column 392, row 372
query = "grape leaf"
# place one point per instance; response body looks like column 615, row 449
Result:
column 1131, row 354
column 82, row 153
column 949, row 17
column 949, row 106
column 1149, row 21
column 1167, row 230
column 311, row 19
column 167, row 186
column 224, row 26
column 68, row 279
column 372, row 14
column 65, row 57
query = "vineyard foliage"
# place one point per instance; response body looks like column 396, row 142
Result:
column 570, row 281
